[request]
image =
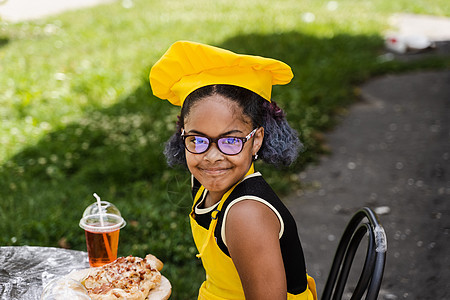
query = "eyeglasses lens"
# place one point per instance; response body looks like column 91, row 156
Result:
column 197, row 144
column 230, row 145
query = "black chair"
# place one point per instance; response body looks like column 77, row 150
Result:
column 372, row 272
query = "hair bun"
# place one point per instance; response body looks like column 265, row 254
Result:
column 275, row 110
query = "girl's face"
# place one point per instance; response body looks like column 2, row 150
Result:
column 216, row 116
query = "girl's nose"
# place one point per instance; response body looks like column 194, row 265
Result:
column 213, row 153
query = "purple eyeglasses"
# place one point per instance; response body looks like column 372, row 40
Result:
column 229, row 145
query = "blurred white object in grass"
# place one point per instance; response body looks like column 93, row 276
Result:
column 413, row 33
column 308, row 17
column 395, row 42
column 127, row 4
column 434, row 28
column 401, row 43
column 332, row 5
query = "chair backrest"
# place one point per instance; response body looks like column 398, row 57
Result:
column 372, row 272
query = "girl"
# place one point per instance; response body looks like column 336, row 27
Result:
column 246, row 237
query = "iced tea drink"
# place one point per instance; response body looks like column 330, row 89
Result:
column 102, row 237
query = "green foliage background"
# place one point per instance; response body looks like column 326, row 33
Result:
column 78, row 116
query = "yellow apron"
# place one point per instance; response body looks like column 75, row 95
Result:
column 222, row 279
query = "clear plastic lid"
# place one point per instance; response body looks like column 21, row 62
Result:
column 110, row 215
column 106, row 208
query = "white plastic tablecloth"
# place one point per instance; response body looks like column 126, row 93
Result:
column 24, row 270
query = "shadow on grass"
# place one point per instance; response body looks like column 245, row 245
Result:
column 117, row 152
column 3, row 41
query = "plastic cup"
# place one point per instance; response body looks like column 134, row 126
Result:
column 102, row 233
column 63, row 289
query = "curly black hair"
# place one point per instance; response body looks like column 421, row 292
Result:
column 281, row 144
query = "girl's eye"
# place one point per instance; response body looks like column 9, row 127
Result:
column 230, row 141
column 199, row 140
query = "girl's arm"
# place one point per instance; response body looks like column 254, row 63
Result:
column 251, row 232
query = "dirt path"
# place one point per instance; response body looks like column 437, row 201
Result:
column 391, row 153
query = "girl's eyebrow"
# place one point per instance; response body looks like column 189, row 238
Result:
column 223, row 134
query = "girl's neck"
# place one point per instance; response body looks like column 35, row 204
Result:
column 212, row 198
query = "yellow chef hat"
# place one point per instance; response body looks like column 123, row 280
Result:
column 187, row 66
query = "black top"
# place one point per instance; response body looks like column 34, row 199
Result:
column 291, row 248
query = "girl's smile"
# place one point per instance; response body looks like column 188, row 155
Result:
column 214, row 171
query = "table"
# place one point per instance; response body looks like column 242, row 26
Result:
column 25, row 269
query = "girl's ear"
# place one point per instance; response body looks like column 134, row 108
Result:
column 258, row 140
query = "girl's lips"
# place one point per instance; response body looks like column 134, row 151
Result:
column 214, row 171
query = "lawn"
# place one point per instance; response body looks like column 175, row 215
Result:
column 78, row 116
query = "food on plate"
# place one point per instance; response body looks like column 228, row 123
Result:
column 131, row 278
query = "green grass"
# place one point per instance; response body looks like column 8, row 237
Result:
column 78, row 116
